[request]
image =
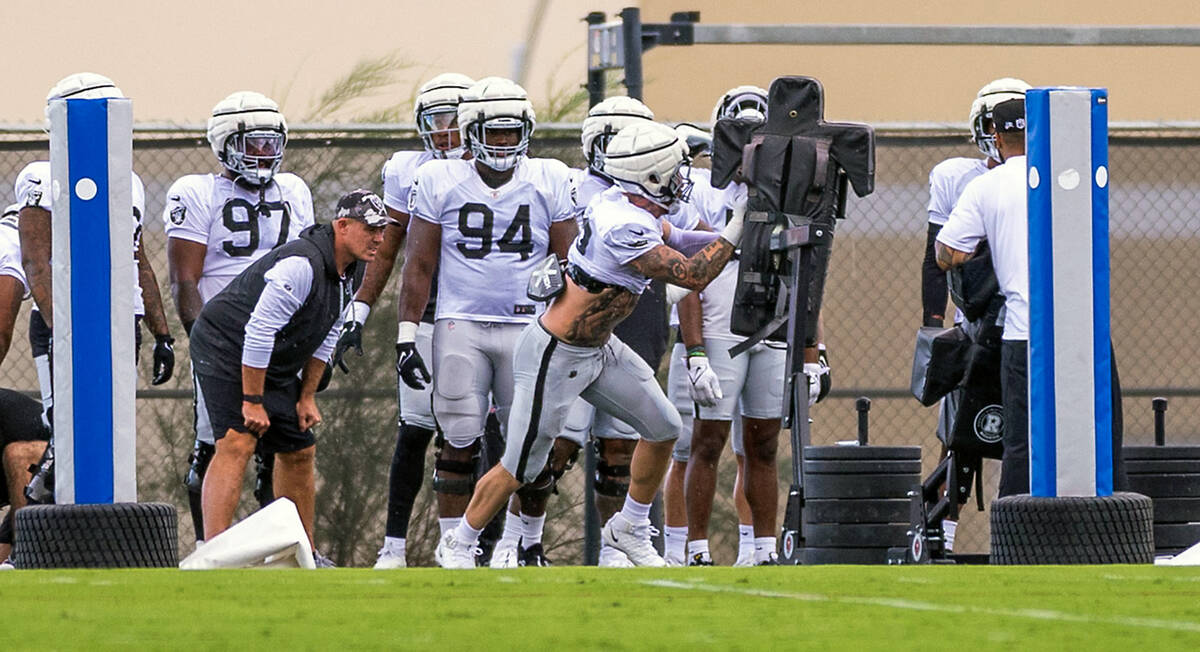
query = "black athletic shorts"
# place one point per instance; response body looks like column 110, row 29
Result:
column 223, row 401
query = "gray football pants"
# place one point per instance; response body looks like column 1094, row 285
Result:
column 549, row 375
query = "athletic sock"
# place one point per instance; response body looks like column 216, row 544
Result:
column 675, row 541
column 531, row 532
column 764, row 547
column 447, row 524
column 745, row 540
column 395, row 545
column 466, row 534
column 948, row 530
column 697, row 547
column 513, row 528
column 634, row 511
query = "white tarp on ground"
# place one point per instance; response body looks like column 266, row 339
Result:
column 272, row 537
column 1189, row 557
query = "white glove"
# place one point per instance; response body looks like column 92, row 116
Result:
column 675, row 294
column 816, row 374
column 733, row 228
column 705, row 387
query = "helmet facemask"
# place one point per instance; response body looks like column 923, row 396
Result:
column 438, row 128
column 499, row 157
column 669, row 194
column 984, row 136
column 254, row 155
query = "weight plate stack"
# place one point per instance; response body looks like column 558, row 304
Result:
column 1170, row 476
column 856, row 502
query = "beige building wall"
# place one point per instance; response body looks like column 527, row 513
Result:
column 927, row 83
column 176, row 58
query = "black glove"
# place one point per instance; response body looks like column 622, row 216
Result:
column 410, row 366
column 164, row 359
column 351, row 338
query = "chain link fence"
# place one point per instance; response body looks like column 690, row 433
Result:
column 872, row 312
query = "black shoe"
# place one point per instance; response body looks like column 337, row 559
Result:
column 700, row 559
column 533, row 556
column 773, row 560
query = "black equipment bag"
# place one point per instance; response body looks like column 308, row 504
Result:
column 939, row 362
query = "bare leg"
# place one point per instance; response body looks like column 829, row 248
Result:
column 674, row 506
column 739, row 493
column 491, row 492
column 223, row 482
column 294, row 481
column 649, row 465
column 761, row 440
column 614, row 453
column 452, row 503
column 18, row 457
column 708, row 441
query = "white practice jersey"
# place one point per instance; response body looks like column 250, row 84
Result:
column 33, row 189
column 10, row 247
column 398, row 173
column 946, row 183
column 614, row 232
column 492, row 238
column 588, row 185
column 237, row 224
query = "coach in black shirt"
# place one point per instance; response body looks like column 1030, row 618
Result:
column 260, row 347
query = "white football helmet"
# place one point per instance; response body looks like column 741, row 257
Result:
column 649, row 159
column 81, row 86
column 993, row 93
column 248, row 133
column 436, row 113
column 744, row 102
column 604, row 120
column 495, row 104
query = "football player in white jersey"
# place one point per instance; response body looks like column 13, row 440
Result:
column 33, row 194
column 218, row 224
column 13, row 288
column 484, row 224
column 947, row 180
column 569, row 351
column 946, row 183
column 436, row 114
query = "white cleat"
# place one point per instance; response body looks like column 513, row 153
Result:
column 632, row 539
column 504, row 555
column 745, row 559
column 7, row 564
column 390, row 557
column 612, row 558
column 674, row 561
column 452, row 553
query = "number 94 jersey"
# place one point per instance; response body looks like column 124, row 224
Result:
column 492, row 238
column 238, row 224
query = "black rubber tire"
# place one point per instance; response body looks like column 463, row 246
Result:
column 843, row 535
column 1135, row 453
column 868, row 510
column 1166, row 485
column 1176, row 510
column 1116, row 529
column 860, row 486
column 862, row 467
column 1176, row 536
column 120, row 535
column 1144, row 467
column 862, row 453
column 819, row 556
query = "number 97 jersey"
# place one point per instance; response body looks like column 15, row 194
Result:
column 492, row 238
column 237, row 224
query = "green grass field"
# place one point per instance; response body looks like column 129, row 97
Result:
column 827, row 608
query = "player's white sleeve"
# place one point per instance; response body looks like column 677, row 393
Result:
column 422, row 196
column 629, row 241
column 185, row 216
column 397, row 181
column 559, row 176
column 964, row 228
column 305, row 208
column 288, row 283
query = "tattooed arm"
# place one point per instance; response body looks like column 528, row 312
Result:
column 948, row 257
column 666, row 264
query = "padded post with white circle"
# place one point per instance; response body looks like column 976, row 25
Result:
column 1070, row 375
column 91, row 159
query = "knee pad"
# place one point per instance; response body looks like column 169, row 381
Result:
column 611, row 479
column 198, row 462
column 541, row 487
column 455, row 477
